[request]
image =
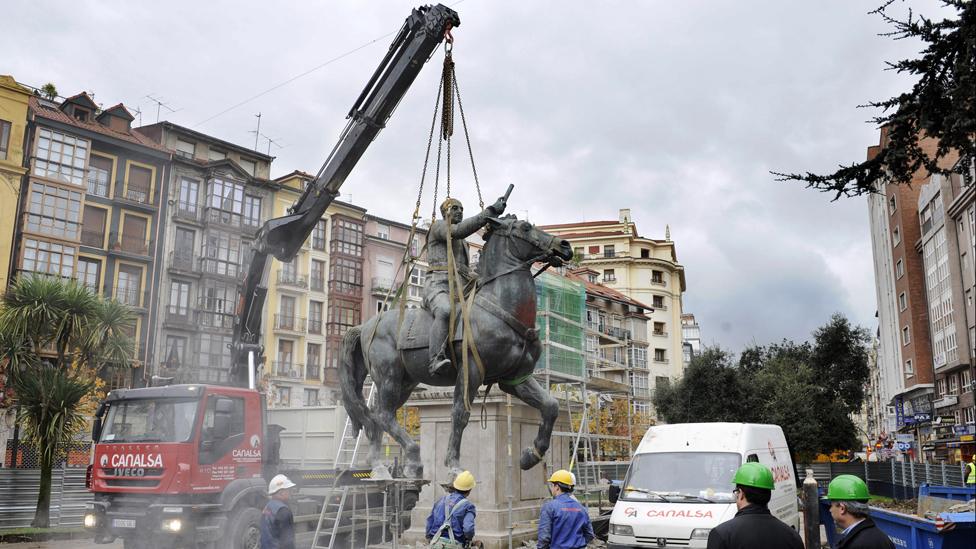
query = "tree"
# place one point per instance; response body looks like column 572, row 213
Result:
column 55, row 337
column 49, row 91
column 711, row 390
column 941, row 105
column 839, row 359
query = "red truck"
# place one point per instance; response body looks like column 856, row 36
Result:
column 188, row 465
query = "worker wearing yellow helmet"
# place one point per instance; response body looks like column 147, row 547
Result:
column 564, row 522
column 450, row 524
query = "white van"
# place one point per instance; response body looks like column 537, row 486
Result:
column 679, row 485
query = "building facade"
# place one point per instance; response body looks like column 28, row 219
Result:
column 219, row 194
column 90, row 210
column 14, row 100
column 387, row 244
column 643, row 269
column 690, row 337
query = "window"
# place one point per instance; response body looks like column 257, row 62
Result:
column 345, row 276
column 134, row 234
column 249, row 166
column 53, row 211
column 93, row 227
column 418, row 277
column 286, row 313
column 214, row 155
column 174, row 353
column 969, row 415
column 608, row 251
column 645, row 253
column 896, row 236
column 213, row 352
column 902, row 301
column 343, row 314
column 221, row 254
column 657, row 277
column 906, row 337
column 311, row 397
column 659, row 328
column 966, row 381
column 909, row 370
column 347, row 237
column 80, row 114
column 578, row 252
column 383, row 231
column 637, row 358
column 188, row 199
column 315, row 310
column 48, row 258
column 186, row 149
column 657, row 302
column 317, row 275
column 99, row 175
column 940, row 387
column 139, row 185
column 899, row 268
column 179, row 298
column 318, row 236
column 640, row 384
column 226, row 201
column 415, row 247
column 925, row 219
column 4, row 138
column 183, row 244
column 61, row 156
column 252, row 211
column 88, row 273
column 128, row 286
column 313, row 359
column 284, row 396
column 953, row 383
column 609, row 275
column 660, row 355
column 892, row 205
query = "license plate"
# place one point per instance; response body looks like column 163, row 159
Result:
column 123, row 523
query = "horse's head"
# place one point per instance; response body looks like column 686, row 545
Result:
column 524, row 242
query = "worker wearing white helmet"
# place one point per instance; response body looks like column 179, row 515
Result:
column 277, row 522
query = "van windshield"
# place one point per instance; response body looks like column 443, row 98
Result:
column 682, row 477
column 150, row 420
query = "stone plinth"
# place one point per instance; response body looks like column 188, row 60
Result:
column 484, row 452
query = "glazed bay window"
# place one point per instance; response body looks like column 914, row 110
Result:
column 99, row 175
column 343, row 314
column 346, row 276
column 48, row 258
column 61, row 156
column 222, row 254
column 226, row 202
column 347, row 237
column 53, row 211
column 138, row 187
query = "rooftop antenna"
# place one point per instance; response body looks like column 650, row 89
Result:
column 271, row 142
column 159, row 104
column 138, row 111
column 256, row 132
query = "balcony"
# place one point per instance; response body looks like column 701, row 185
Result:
column 223, row 217
column 315, row 326
column 215, row 319
column 317, row 283
column 127, row 295
column 184, row 261
column 658, row 282
column 313, row 372
column 381, row 284
column 95, row 239
column 187, row 212
column 98, row 183
column 121, row 242
column 138, row 196
column 179, row 315
column 293, row 279
column 287, row 370
column 215, row 266
column 657, row 333
column 659, row 306
column 289, row 323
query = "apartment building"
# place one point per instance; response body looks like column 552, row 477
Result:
column 386, row 245
column 690, row 337
column 14, row 100
column 219, row 194
column 643, row 269
column 91, row 210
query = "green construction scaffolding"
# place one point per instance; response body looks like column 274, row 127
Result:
column 561, row 311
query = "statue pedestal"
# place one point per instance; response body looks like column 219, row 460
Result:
column 484, row 452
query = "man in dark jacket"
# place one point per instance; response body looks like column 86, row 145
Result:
column 753, row 525
column 277, row 523
column 848, row 496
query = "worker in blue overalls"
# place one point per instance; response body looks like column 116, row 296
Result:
column 450, row 524
column 565, row 522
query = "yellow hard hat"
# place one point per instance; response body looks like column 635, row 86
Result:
column 464, row 481
column 563, row 476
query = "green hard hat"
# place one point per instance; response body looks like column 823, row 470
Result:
column 847, row 488
column 754, row 474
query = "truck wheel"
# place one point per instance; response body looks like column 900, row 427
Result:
column 243, row 530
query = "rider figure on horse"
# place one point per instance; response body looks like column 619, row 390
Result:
column 437, row 298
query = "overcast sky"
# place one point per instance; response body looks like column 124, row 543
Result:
column 676, row 110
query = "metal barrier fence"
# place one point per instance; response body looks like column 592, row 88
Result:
column 20, row 487
column 891, row 479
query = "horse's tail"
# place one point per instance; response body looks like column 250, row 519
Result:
column 352, row 374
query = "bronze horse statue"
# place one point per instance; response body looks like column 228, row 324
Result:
column 502, row 323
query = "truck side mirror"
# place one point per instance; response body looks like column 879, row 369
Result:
column 96, row 428
column 222, row 414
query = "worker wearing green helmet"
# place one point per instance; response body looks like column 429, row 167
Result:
column 848, row 496
column 753, row 524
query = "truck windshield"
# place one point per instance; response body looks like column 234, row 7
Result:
column 150, row 420
column 682, row 477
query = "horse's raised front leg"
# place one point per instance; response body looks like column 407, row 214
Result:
column 460, row 414
column 536, row 396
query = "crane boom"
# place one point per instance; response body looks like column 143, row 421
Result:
column 282, row 237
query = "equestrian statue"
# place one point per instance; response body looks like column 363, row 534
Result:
column 473, row 331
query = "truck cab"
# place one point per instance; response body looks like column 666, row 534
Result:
column 679, row 485
column 181, row 464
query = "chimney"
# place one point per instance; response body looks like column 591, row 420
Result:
column 625, row 215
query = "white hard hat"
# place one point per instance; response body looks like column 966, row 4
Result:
column 280, row 482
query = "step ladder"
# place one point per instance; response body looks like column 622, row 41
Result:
column 583, row 456
column 330, row 518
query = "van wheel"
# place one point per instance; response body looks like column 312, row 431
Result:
column 243, row 531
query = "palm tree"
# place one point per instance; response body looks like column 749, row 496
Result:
column 55, row 336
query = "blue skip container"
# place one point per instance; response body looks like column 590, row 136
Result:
column 949, row 531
